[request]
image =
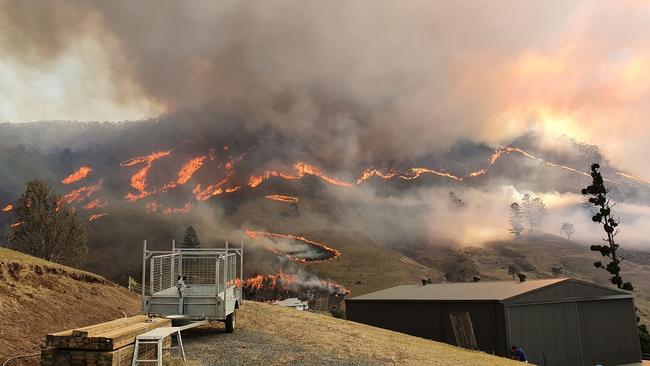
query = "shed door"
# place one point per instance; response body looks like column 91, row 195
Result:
column 548, row 333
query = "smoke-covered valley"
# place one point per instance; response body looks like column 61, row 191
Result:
column 374, row 143
column 153, row 178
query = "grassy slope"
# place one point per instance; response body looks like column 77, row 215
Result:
column 363, row 266
column 308, row 338
column 38, row 297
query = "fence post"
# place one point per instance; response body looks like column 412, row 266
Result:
column 144, row 273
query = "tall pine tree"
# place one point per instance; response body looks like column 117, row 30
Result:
column 191, row 239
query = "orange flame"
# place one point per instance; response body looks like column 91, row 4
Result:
column 146, row 159
column 15, row 225
column 8, row 208
column 96, row 217
column 139, row 179
column 152, row 206
column 409, row 174
column 187, row 171
column 81, row 193
column 255, row 234
column 477, row 173
column 284, row 284
column 96, row 203
column 634, row 178
column 181, row 210
column 78, row 175
column 300, row 170
column 281, row 198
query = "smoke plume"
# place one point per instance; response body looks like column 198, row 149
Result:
column 368, row 79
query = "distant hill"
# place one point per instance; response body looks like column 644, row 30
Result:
column 539, row 255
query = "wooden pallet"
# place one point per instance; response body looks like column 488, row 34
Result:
column 105, row 344
column 119, row 357
column 105, row 336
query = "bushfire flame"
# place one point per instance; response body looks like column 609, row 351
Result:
column 80, row 174
column 187, row 171
column 301, row 169
column 139, row 179
column 272, row 287
column 82, row 193
column 96, row 217
column 333, row 252
column 297, row 171
column 180, row 210
column 96, row 203
column 635, row 178
column 281, row 198
column 8, row 208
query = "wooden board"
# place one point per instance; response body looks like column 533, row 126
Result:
column 119, row 357
column 105, row 336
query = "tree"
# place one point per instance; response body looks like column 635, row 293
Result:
column 43, row 226
column 512, row 271
column 457, row 201
column 599, row 199
column 516, row 219
column 191, row 239
column 533, row 209
column 568, row 229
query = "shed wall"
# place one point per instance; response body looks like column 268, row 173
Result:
column 428, row 319
column 548, row 333
column 609, row 332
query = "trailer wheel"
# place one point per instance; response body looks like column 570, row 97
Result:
column 230, row 323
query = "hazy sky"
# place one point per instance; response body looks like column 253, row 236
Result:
column 424, row 73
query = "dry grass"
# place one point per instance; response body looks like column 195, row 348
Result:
column 39, row 297
column 345, row 339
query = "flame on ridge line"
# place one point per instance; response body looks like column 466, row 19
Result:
column 256, row 234
column 301, row 169
column 281, row 198
column 78, row 175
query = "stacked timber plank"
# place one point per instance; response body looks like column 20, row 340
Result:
column 105, row 344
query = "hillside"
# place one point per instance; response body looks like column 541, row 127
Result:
column 538, row 256
column 38, row 297
column 273, row 335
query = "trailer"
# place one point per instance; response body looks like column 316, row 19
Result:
column 193, row 284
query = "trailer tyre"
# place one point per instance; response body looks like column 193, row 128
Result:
column 230, row 322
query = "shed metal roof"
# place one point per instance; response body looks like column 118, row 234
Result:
column 465, row 291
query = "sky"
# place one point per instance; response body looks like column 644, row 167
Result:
column 419, row 74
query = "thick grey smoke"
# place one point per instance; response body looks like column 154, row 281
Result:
column 370, row 79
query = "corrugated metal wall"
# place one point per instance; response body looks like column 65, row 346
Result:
column 548, row 333
column 609, row 332
column 431, row 320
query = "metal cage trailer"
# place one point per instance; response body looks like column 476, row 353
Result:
column 193, row 284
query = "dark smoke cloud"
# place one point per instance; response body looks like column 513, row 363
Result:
column 365, row 80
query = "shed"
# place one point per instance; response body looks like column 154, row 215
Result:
column 556, row 321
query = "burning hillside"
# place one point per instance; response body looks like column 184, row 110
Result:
column 177, row 179
column 282, row 285
column 295, row 247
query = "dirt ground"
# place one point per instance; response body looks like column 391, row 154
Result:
column 273, row 335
